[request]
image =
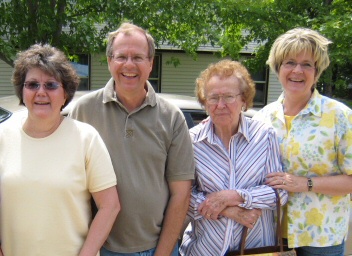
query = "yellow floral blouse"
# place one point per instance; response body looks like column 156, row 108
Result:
column 319, row 143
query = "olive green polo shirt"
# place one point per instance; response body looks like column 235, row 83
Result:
column 149, row 147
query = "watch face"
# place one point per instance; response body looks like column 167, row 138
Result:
column 310, row 184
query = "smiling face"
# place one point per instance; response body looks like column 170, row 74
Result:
column 298, row 81
column 130, row 76
column 42, row 103
column 225, row 116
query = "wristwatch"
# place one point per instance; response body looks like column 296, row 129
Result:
column 310, row 184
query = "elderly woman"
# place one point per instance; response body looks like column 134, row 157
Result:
column 51, row 166
column 315, row 136
column 233, row 155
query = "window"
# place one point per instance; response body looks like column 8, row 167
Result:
column 154, row 77
column 260, row 79
column 81, row 64
column 194, row 117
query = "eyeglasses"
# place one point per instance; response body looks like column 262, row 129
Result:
column 227, row 98
column 123, row 59
column 305, row 66
column 34, row 86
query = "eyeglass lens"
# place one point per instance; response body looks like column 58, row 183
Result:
column 292, row 65
column 124, row 59
column 227, row 98
column 34, row 86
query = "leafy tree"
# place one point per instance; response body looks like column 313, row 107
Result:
column 182, row 23
column 338, row 27
column 68, row 25
column 80, row 26
column 265, row 20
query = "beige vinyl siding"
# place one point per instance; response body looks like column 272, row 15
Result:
column 178, row 80
column 6, row 87
column 275, row 88
column 100, row 74
column 181, row 79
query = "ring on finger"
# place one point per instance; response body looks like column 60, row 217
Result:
column 283, row 182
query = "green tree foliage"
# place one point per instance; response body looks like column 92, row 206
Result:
column 265, row 20
column 70, row 25
column 182, row 23
column 80, row 26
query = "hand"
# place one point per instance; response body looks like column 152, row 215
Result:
column 218, row 201
column 246, row 217
column 286, row 181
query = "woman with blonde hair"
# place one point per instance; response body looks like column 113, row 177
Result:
column 315, row 136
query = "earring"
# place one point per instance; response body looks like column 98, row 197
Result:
column 243, row 108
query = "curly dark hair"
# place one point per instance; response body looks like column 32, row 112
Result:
column 49, row 60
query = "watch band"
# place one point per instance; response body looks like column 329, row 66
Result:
column 310, row 184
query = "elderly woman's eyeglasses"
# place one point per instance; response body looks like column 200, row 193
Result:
column 123, row 59
column 34, row 86
column 227, row 98
column 305, row 66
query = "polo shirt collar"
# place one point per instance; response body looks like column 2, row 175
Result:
column 151, row 95
column 109, row 93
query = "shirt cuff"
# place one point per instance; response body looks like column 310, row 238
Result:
column 200, row 198
column 247, row 197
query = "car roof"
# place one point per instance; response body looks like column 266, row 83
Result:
column 11, row 103
column 184, row 102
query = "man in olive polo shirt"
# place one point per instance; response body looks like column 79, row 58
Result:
column 150, row 147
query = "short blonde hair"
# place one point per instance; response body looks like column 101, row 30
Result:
column 298, row 40
column 225, row 69
column 128, row 29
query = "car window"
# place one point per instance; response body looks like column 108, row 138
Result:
column 193, row 117
column 4, row 114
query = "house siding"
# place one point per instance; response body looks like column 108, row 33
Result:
column 177, row 80
column 100, row 74
column 274, row 87
column 6, row 87
column 181, row 79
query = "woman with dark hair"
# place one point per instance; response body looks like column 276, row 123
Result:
column 51, row 166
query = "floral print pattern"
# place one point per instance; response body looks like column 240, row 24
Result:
column 319, row 143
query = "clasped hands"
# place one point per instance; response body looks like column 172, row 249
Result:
column 225, row 203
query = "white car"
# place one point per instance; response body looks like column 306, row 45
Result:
column 193, row 112
column 10, row 108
